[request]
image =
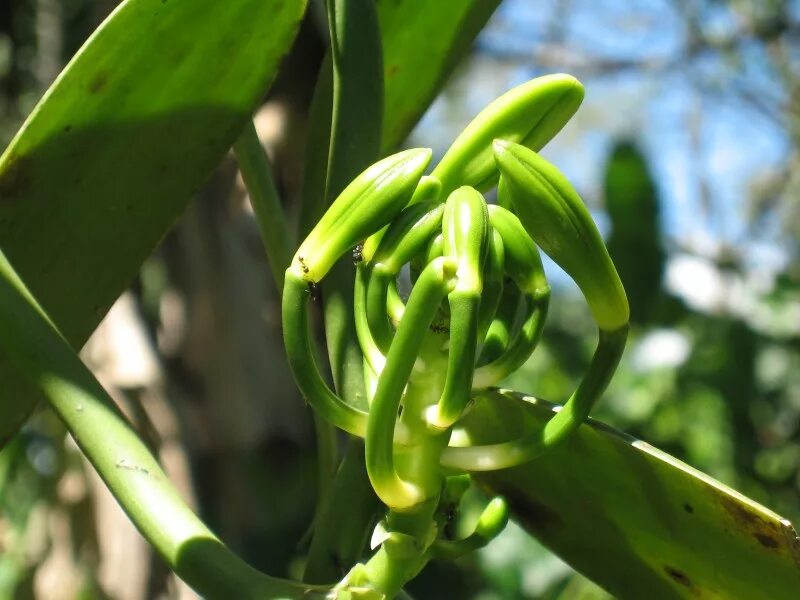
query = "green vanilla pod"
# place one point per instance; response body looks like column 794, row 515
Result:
column 407, row 236
column 522, row 260
column 377, row 291
column 492, row 282
column 530, row 114
column 404, row 238
column 491, row 523
column 297, row 338
column 427, row 192
column 504, row 324
column 395, row 306
column 433, row 285
column 524, row 265
column 572, row 414
column 366, row 205
column 502, row 194
column 373, row 355
column 557, row 219
column 519, row 349
column 434, row 249
column 429, row 189
column 465, row 229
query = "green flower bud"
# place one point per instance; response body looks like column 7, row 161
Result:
column 493, row 519
column 522, row 260
column 530, row 114
column 465, row 227
column 427, row 192
column 491, row 523
column 407, row 236
column 556, row 218
column 371, row 201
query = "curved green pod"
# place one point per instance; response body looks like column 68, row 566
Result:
column 521, row 257
column 492, row 282
column 530, row 114
column 557, row 219
column 491, row 523
column 378, row 283
column 366, row 205
column 523, row 263
column 395, row 306
column 407, row 236
column 373, row 355
column 428, row 190
column 503, row 325
column 433, row 285
column 465, row 229
column 519, row 348
column 558, row 429
column 297, row 293
column 403, row 239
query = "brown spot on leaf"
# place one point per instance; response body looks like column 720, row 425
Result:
column 679, row 576
column 98, row 82
column 392, row 71
column 16, row 178
column 688, row 508
column 760, row 528
column 766, row 540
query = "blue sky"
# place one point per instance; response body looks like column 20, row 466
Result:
column 707, row 142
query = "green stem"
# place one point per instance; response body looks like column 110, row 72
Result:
column 270, row 215
column 356, row 118
column 404, row 554
column 32, row 345
column 347, row 512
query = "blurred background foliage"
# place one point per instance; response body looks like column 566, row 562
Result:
column 686, row 151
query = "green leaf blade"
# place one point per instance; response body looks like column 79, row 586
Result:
column 111, row 155
column 422, row 42
column 637, row 521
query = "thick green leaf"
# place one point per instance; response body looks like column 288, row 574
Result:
column 637, row 521
column 111, row 155
column 422, row 42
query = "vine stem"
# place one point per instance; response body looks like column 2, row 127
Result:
column 271, row 218
column 32, row 345
column 274, row 229
column 347, row 119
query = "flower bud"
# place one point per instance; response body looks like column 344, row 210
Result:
column 530, row 114
column 556, row 218
column 367, row 204
column 465, row 229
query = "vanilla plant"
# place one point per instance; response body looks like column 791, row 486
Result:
column 474, row 314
